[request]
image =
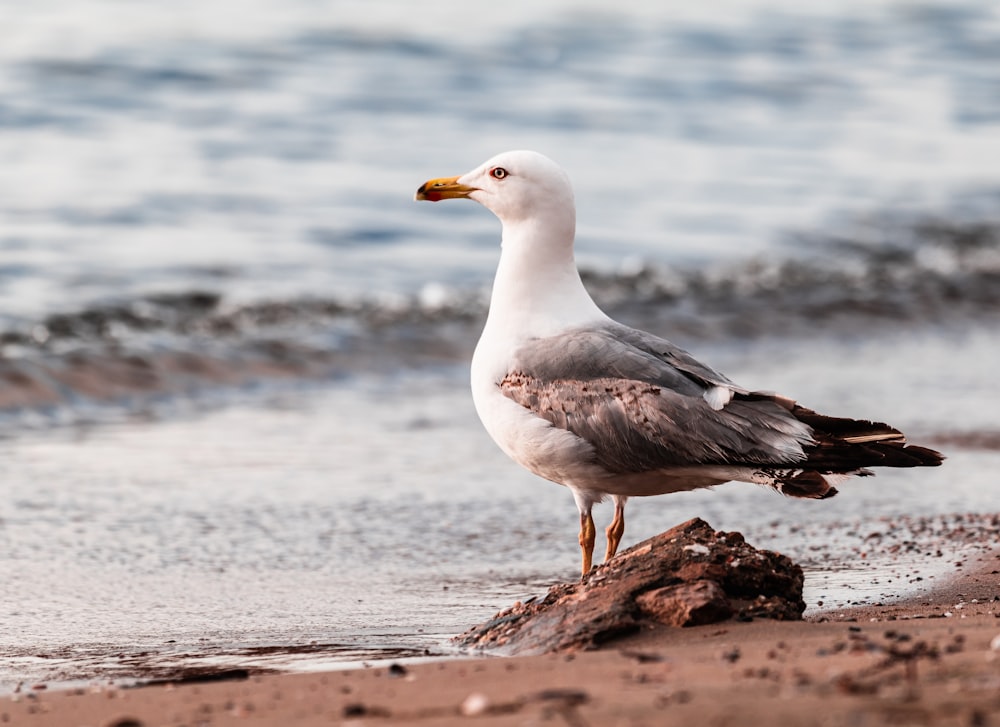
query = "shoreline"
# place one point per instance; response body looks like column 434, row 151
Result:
column 978, row 583
column 932, row 658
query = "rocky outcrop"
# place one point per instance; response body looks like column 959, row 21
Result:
column 688, row 576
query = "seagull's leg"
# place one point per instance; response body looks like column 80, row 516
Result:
column 617, row 527
column 588, row 534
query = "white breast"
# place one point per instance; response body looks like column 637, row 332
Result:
column 532, row 442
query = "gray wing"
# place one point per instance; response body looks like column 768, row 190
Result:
column 640, row 402
column 620, row 352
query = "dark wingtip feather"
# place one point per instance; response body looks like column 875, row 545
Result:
column 846, row 445
column 925, row 456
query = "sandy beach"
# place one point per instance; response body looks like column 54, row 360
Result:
column 244, row 480
column 931, row 661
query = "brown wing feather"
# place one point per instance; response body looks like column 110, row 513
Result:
column 635, row 426
column 639, row 401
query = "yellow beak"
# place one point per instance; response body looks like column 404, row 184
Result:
column 434, row 190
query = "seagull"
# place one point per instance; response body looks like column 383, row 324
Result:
column 611, row 411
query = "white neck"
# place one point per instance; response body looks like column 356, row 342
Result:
column 537, row 291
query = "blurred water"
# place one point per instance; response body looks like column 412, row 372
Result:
column 161, row 146
column 234, row 420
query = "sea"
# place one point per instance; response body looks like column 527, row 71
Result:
column 235, row 425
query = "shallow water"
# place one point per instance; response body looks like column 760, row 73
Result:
column 320, row 523
column 234, row 420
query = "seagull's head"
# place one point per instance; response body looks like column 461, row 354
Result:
column 516, row 186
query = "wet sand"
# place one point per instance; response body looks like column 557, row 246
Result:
column 932, row 660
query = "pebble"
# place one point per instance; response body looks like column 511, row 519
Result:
column 475, row 704
column 124, row 722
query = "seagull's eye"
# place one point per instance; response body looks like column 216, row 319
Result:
column 498, row 172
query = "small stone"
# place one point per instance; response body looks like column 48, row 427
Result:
column 568, row 696
column 732, row 655
column 475, row 704
column 354, row 710
column 697, row 548
column 125, row 722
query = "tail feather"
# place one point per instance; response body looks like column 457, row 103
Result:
column 844, row 445
column 874, row 437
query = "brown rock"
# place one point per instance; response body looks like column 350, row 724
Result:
column 691, row 574
column 686, row 604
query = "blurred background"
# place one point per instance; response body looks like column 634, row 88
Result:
column 234, row 419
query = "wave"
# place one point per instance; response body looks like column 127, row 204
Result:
column 919, row 274
column 928, row 272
